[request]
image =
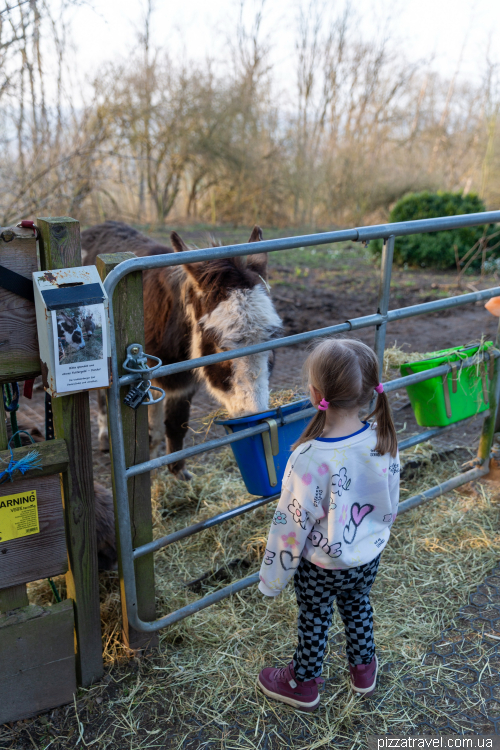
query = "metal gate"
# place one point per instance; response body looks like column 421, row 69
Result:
column 380, row 319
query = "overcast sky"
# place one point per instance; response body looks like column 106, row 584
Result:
column 427, row 29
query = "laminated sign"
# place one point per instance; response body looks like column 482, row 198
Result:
column 18, row 515
column 72, row 320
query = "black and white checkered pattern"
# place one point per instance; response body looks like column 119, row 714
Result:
column 316, row 590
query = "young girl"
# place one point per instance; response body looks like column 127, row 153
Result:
column 338, row 502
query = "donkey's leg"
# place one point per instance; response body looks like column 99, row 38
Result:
column 102, row 421
column 177, row 408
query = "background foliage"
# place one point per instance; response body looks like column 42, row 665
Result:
column 438, row 249
column 156, row 138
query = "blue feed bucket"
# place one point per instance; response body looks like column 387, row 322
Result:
column 262, row 458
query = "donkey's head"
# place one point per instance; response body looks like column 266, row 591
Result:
column 230, row 307
column 89, row 325
column 69, row 330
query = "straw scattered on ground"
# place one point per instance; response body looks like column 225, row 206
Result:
column 199, row 690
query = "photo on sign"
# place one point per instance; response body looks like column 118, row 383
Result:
column 79, row 333
column 80, row 346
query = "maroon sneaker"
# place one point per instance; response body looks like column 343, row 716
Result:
column 281, row 685
column 364, row 677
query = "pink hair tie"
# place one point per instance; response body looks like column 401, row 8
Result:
column 323, row 405
column 379, row 388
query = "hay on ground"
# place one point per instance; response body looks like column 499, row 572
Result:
column 200, row 686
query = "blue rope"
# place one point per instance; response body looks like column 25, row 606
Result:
column 11, row 400
column 30, row 461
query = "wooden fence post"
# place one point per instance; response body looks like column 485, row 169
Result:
column 129, row 329
column 60, row 248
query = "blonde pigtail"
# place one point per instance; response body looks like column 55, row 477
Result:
column 387, row 441
column 313, row 430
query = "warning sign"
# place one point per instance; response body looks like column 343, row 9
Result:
column 18, row 515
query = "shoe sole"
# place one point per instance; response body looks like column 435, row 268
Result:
column 290, row 701
column 367, row 692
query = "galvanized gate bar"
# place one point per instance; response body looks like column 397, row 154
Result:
column 392, row 385
column 244, row 583
column 383, row 231
column 421, row 437
column 207, row 601
column 360, row 234
column 187, row 531
column 441, row 489
column 366, row 321
column 156, row 463
column 176, row 536
column 244, row 351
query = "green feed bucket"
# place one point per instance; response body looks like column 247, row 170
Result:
column 459, row 394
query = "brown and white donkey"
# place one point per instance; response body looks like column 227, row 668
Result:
column 192, row 310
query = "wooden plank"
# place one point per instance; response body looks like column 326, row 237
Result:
column 3, row 426
column 36, row 556
column 53, row 457
column 60, row 243
column 37, row 661
column 19, row 358
column 19, row 256
column 19, row 616
column 60, row 248
column 129, row 328
column 15, row 596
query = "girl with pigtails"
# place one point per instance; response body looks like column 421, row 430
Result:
column 338, row 502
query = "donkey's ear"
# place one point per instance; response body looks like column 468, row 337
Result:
column 177, row 243
column 195, row 270
column 256, row 235
column 257, row 263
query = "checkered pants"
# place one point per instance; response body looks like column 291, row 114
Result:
column 316, row 590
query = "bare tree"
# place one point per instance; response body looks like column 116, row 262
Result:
column 221, row 141
column 48, row 152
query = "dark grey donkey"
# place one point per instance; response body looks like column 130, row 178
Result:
column 88, row 326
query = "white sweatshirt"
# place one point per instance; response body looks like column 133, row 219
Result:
column 338, row 502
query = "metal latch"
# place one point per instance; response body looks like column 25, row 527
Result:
column 137, row 362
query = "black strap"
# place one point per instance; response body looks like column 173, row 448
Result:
column 16, row 283
column 49, row 418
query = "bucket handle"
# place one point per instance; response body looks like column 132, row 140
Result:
column 454, row 378
column 446, row 391
column 270, row 441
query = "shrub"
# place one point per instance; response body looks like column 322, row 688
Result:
column 435, row 249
